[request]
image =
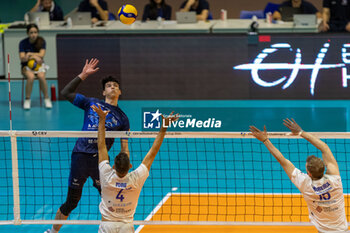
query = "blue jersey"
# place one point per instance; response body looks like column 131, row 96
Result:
column 116, row 120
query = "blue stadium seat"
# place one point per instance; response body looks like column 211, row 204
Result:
column 249, row 14
column 271, row 7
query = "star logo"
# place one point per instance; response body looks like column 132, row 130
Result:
column 156, row 115
column 151, row 119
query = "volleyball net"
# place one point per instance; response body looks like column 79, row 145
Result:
column 196, row 178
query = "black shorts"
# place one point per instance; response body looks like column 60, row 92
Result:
column 83, row 166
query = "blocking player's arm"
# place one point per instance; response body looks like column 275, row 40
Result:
column 124, row 146
column 101, row 139
column 149, row 158
column 327, row 155
column 69, row 90
column 287, row 165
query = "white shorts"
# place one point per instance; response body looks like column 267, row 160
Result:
column 116, row 227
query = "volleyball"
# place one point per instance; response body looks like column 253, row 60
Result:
column 127, row 14
column 33, row 65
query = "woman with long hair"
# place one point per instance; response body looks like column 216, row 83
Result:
column 155, row 9
column 31, row 53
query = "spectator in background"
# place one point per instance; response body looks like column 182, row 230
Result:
column 201, row 7
column 55, row 11
column 33, row 47
column 335, row 16
column 155, row 9
column 301, row 7
column 98, row 9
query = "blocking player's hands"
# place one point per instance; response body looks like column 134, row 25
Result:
column 287, row 166
column 292, row 125
column 101, row 139
column 89, row 68
column 102, row 114
column 258, row 134
column 166, row 121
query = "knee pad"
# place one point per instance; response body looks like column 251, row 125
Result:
column 73, row 198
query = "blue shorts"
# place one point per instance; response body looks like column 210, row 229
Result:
column 83, row 166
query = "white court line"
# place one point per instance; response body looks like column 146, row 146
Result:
column 154, row 211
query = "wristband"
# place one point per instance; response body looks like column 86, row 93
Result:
column 265, row 140
column 300, row 132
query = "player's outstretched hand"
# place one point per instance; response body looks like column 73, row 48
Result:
column 102, row 114
column 260, row 135
column 167, row 120
column 89, row 68
column 293, row 126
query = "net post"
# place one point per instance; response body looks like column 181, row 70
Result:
column 15, row 180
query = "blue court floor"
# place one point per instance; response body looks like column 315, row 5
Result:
column 312, row 115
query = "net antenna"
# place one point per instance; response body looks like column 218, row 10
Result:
column 9, row 84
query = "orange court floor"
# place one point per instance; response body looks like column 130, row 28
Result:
column 227, row 229
column 246, row 208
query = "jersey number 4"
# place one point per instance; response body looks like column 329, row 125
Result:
column 120, row 195
column 325, row 196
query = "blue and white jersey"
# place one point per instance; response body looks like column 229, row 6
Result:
column 324, row 199
column 120, row 195
column 116, row 120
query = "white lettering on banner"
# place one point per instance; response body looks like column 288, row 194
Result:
column 257, row 66
column 194, row 123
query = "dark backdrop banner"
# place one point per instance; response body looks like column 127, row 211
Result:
column 204, row 67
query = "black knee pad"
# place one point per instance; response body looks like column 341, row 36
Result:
column 73, row 198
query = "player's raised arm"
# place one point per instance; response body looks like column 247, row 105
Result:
column 288, row 166
column 101, row 140
column 149, row 158
column 89, row 68
column 124, row 146
column 327, row 155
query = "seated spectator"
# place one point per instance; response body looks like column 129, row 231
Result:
column 98, row 9
column 335, row 16
column 55, row 11
column 300, row 6
column 33, row 47
column 201, row 7
column 155, row 9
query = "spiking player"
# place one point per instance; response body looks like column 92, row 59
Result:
column 120, row 189
column 323, row 193
column 84, row 159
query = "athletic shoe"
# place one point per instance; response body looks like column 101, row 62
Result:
column 48, row 231
column 48, row 103
column 26, row 104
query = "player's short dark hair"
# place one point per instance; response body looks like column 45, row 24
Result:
column 109, row 79
column 315, row 166
column 122, row 163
